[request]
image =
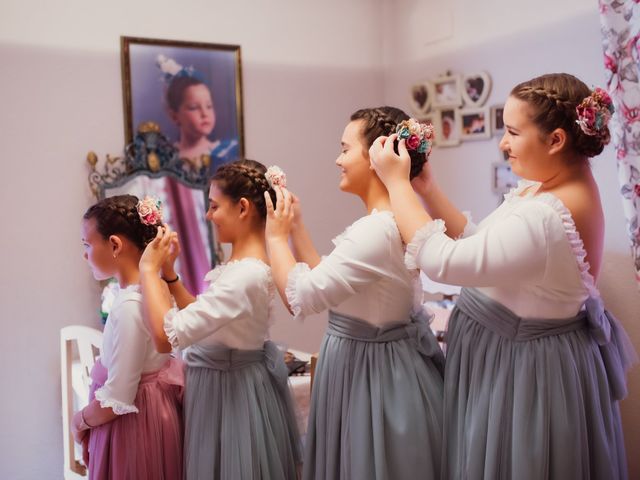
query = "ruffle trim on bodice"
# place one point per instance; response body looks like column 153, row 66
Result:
column 573, row 236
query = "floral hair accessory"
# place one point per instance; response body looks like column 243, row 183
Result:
column 276, row 177
column 171, row 69
column 594, row 112
column 150, row 211
column 418, row 136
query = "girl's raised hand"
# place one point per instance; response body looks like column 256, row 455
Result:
column 423, row 182
column 168, row 267
column 280, row 217
column 158, row 250
column 389, row 165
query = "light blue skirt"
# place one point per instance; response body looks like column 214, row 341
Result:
column 532, row 399
column 239, row 418
column 376, row 406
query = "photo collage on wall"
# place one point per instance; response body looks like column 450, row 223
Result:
column 456, row 106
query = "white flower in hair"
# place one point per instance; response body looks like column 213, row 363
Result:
column 168, row 65
column 276, row 177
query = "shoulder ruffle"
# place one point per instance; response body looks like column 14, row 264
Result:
column 421, row 236
column 577, row 245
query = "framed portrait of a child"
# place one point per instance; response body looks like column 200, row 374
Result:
column 192, row 91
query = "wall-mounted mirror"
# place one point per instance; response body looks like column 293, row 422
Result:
column 151, row 166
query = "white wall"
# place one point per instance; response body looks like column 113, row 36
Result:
column 306, row 68
column 515, row 42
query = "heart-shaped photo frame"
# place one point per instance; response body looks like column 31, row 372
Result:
column 421, row 97
column 476, row 88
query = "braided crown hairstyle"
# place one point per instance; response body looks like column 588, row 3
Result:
column 119, row 216
column 554, row 98
column 382, row 121
column 245, row 179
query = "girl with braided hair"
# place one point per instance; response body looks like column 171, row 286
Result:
column 535, row 365
column 376, row 403
column 132, row 427
column 239, row 417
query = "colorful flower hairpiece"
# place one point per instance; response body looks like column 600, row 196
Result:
column 150, row 211
column 594, row 112
column 171, row 69
column 418, row 136
column 276, row 177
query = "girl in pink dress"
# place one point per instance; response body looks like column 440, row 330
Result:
column 132, row 426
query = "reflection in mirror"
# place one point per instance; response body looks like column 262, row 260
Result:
column 151, row 166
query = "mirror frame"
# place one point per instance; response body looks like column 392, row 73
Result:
column 151, row 154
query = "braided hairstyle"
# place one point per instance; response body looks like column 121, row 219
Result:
column 554, row 98
column 119, row 216
column 245, row 179
column 382, row 121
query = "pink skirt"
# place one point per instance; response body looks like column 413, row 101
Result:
column 147, row 444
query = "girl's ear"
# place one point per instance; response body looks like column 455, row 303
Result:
column 557, row 140
column 245, row 206
column 116, row 245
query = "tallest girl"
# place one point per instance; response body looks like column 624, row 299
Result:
column 535, row 366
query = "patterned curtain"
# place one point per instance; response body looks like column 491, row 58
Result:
column 620, row 24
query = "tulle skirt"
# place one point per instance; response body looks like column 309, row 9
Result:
column 376, row 406
column 146, row 445
column 531, row 399
column 240, row 422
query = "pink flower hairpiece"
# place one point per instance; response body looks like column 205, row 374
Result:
column 594, row 112
column 276, row 177
column 150, row 211
column 418, row 136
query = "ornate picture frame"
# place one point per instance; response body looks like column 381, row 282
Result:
column 205, row 117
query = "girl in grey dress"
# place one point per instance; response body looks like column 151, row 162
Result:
column 239, row 418
column 535, row 365
column 376, row 403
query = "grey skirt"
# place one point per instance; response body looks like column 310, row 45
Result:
column 376, row 406
column 533, row 399
column 239, row 418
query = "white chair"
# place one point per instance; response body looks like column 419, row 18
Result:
column 76, row 380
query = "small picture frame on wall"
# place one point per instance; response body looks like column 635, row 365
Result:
column 476, row 88
column 503, row 179
column 497, row 123
column 447, row 123
column 446, row 92
column 421, row 97
column 474, row 123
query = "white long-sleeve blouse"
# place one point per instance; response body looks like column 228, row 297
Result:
column 527, row 255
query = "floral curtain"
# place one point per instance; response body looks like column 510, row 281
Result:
column 620, row 24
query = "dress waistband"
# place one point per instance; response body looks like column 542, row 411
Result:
column 618, row 354
column 227, row 359
column 417, row 331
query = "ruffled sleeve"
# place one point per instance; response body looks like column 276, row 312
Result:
column 291, row 290
column 512, row 247
column 357, row 260
column 420, row 237
column 231, row 294
column 130, row 340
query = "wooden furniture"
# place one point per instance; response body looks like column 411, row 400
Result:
column 76, row 380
